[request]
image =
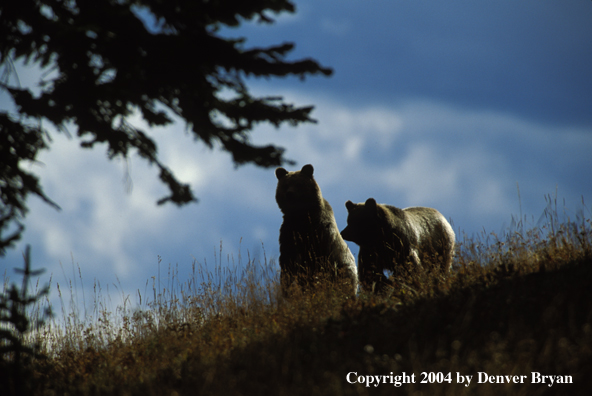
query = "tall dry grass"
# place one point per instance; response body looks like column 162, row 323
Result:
column 512, row 305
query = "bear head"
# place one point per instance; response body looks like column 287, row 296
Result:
column 297, row 191
column 363, row 222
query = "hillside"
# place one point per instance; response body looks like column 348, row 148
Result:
column 516, row 313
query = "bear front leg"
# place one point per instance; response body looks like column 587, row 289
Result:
column 372, row 275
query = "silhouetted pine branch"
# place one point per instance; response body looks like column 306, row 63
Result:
column 106, row 60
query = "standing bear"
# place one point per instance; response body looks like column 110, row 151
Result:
column 390, row 238
column 310, row 242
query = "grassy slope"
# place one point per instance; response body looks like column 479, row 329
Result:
column 528, row 309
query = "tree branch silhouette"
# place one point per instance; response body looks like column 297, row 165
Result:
column 108, row 60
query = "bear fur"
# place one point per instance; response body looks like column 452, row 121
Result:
column 310, row 242
column 391, row 238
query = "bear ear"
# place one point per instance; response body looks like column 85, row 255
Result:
column 349, row 205
column 280, row 172
column 307, row 170
column 371, row 205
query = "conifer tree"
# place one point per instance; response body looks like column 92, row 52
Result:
column 110, row 58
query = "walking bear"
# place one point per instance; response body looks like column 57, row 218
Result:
column 310, row 242
column 390, row 238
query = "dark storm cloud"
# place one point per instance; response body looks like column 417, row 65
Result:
column 532, row 58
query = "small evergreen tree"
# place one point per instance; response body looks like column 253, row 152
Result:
column 16, row 321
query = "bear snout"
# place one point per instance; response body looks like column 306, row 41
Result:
column 347, row 234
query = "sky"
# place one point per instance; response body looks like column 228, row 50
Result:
column 482, row 110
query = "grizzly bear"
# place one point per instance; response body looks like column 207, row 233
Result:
column 310, row 243
column 390, row 238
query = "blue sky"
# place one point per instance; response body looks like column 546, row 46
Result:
column 448, row 104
